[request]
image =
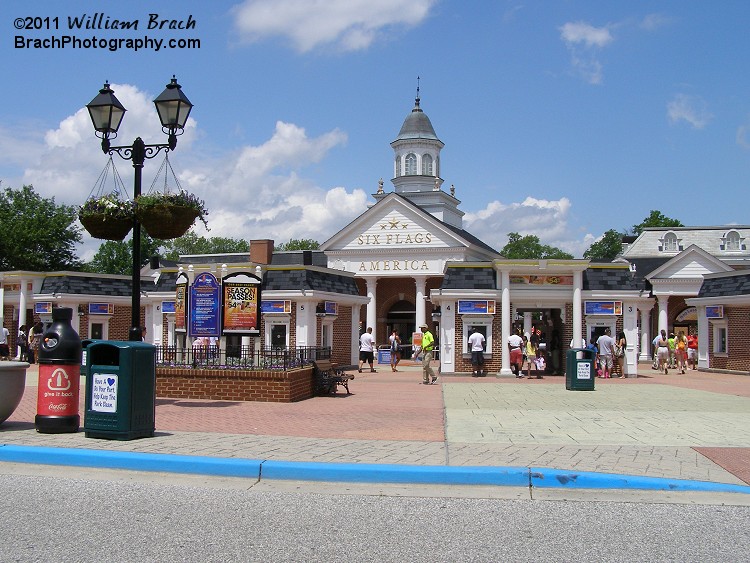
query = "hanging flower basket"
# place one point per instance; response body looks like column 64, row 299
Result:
column 107, row 216
column 102, row 226
column 168, row 216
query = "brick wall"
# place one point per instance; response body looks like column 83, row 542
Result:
column 738, row 336
column 341, row 349
column 231, row 385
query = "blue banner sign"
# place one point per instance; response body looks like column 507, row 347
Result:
column 332, row 308
column 715, row 312
column 101, row 309
column 167, row 306
column 43, row 308
column 204, row 306
column 476, row 307
column 276, row 306
column 603, row 308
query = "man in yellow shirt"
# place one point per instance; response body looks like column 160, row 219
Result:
column 428, row 344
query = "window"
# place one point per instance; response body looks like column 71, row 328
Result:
column 410, row 163
column 484, row 325
column 669, row 243
column 426, row 165
column 398, row 166
column 720, row 337
column 732, row 241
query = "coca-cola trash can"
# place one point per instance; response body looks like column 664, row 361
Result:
column 59, row 376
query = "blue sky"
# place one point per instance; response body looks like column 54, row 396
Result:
column 560, row 118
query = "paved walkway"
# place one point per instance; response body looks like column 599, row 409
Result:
column 694, row 426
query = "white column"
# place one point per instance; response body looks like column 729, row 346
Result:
column 630, row 328
column 505, row 323
column 22, row 311
column 355, row 334
column 372, row 306
column 663, row 313
column 577, row 311
column 645, row 354
column 447, row 336
column 527, row 323
column 306, row 324
column 703, row 328
column 421, row 317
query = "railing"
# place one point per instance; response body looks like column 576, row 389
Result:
column 240, row 357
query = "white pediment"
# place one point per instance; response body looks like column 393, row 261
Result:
column 393, row 224
column 692, row 263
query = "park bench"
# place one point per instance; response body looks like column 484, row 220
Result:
column 328, row 378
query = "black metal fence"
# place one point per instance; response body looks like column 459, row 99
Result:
column 240, row 357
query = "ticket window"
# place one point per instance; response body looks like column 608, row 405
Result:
column 279, row 336
column 96, row 331
column 483, row 326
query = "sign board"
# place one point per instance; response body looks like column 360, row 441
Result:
column 332, row 308
column 715, row 311
column 167, row 306
column 603, row 308
column 104, row 392
column 180, row 303
column 101, row 309
column 240, row 299
column 584, row 370
column 43, row 307
column 279, row 306
column 204, row 306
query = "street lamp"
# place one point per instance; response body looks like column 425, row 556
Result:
column 106, row 113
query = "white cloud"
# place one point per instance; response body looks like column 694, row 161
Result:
column 547, row 219
column 348, row 25
column 588, row 35
column 257, row 191
column 652, row 22
column 692, row 109
column 584, row 41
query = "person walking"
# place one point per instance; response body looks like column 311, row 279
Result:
column 529, row 354
column 476, row 345
column 23, row 343
column 671, row 343
column 515, row 345
column 662, row 351
column 428, row 344
column 395, row 341
column 366, row 349
column 605, row 344
column 35, row 338
column 680, row 351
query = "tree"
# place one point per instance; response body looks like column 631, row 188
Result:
column 298, row 244
column 36, row 233
column 606, row 248
column 191, row 243
column 655, row 219
column 116, row 257
column 529, row 247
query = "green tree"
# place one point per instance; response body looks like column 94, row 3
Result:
column 655, row 219
column 606, row 248
column 298, row 244
column 529, row 247
column 191, row 243
column 116, row 257
column 36, row 233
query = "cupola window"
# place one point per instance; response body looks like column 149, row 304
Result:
column 410, row 164
column 427, row 165
column 398, row 166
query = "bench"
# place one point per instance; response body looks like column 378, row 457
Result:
column 328, row 378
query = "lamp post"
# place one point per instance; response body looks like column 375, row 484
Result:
column 106, row 113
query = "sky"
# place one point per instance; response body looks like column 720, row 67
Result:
column 560, row 118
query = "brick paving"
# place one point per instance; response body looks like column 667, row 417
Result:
column 692, row 426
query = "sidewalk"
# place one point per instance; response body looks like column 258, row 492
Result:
column 675, row 427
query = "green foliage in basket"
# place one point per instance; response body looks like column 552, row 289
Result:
column 176, row 199
column 109, row 205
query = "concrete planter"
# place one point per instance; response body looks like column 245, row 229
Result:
column 12, row 385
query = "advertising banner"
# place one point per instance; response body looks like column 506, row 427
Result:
column 476, row 307
column 241, row 297
column 203, row 305
column 603, row 308
column 101, row 309
column 180, row 303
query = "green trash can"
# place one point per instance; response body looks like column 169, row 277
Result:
column 84, row 355
column 120, row 390
column 579, row 369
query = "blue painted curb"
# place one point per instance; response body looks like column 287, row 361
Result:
column 353, row 472
column 560, row 478
column 135, row 461
column 382, row 473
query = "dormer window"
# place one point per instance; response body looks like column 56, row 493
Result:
column 732, row 241
column 670, row 243
column 410, row 164
column 426, row 165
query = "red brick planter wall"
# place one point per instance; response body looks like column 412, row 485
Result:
column 235, row 385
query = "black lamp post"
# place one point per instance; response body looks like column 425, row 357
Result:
column 106, row 113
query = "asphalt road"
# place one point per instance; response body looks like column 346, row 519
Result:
column 83, row 515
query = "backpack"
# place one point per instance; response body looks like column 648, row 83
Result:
column 681, row 344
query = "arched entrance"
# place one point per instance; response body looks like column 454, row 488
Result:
column 402, row 317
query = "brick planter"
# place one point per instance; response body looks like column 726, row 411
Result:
column 235, row 385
